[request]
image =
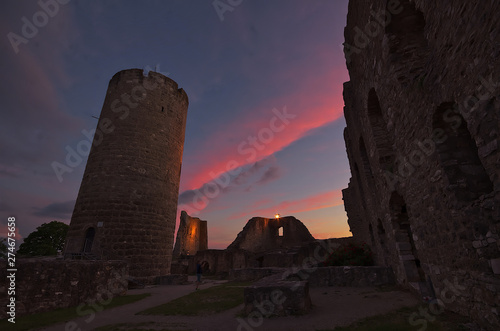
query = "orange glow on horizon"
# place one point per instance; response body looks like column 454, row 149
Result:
column 310, row 203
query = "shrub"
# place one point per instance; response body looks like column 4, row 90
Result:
column 350, row 254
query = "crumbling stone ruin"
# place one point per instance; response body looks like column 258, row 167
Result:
column 260, row 244
column 263, row 234
column 127, row 203
column 192, row 236
column 422, row 109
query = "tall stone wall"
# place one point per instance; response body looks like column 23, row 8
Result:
column 263, row 234
column 45, row 284
column 192, row 236
column 422, row 109
column 126, row 206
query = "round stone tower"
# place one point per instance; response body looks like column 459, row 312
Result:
column 126, row 206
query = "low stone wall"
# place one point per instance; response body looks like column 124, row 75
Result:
column 249, row 274
column 355, row 276
column 222, row 261
column 44, row 284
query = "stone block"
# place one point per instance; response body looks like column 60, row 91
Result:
column 275, row 297
column 495, row 265
column 477, row 244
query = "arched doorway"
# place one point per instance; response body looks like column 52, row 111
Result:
column 412, row 270
column 89, row 240
column 404, row 239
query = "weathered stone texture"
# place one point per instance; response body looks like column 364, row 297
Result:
column 225, row 261
column 192, row 236
column 354, row 276
column 247, row 274
column 126, row 206
column 44, row 284
column 422, row 110
column 219, row 261
column 262, row 234
column 272, row 296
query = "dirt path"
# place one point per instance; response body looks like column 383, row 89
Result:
column 332, row 306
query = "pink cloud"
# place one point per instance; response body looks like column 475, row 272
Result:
column 4, row 231
column 311, row 107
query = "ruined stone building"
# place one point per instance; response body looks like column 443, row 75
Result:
column 264, row 234
column 263, row 242
column 192, row 236
column 422, row 109
column 127, row 203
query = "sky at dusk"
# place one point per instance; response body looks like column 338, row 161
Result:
column 264, row 80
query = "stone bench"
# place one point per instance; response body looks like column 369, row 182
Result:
column 272, row 296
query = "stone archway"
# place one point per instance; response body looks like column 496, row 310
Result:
column 458, row 155
column 408, row 46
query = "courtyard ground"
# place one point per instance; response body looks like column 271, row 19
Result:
column 332, row 307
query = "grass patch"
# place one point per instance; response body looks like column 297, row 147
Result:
column 399, row 320
column 203, row 302
column 38, row 320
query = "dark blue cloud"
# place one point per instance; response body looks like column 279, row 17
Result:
column 56, row 210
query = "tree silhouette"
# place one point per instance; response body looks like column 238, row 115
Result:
column 47, row 239
column 3, row 248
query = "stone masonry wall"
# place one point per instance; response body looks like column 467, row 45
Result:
column 222, row 261
column 262, row 234
column 192, row 236
column 44, row 284
column 422, row 109
column 126, row 206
